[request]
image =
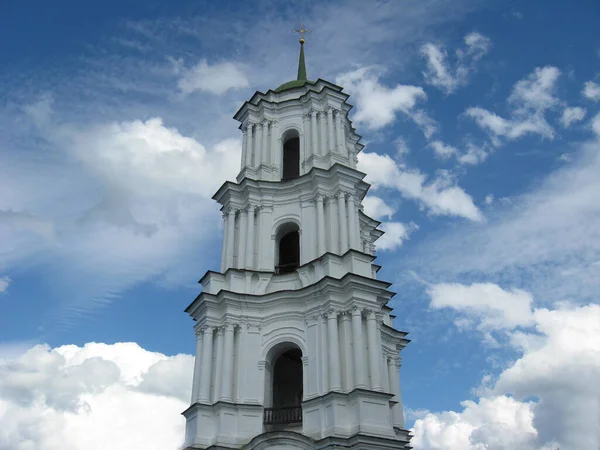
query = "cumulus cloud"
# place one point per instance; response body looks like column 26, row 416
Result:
column 495, row 423
column 395, row 235
column 494, row 307
column 440, row 196
column 441, row 74
column 530, row 98
column 395, row 232
column 97, row 396
column 136, row 192
column 591, row 91
column 378, row 104
column 572, row 115
column 558, row 364
column 377, row 208
column 4, row 282
column 216, row 79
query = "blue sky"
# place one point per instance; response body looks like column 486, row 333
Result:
column 481, row 125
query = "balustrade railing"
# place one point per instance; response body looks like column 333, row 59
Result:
column 274, row 416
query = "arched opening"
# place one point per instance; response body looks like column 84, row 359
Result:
column 284, row 386
column 287, row 379
column 291, row 155
column 288, row 249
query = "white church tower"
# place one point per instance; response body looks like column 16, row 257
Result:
column 295, row 344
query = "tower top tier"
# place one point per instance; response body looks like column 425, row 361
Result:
column 300, row 125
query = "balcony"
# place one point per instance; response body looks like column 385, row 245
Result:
column 283, row 416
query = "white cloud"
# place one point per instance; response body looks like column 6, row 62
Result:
column 591, row 91
column 489, row 199
column 146, row 157
column 443, row 150
column 378, row 104
column 473, row 154
column 530, row 98
column 572, row 115
column 496, row 423
column 546, row 240
column 95, row 397
column 559, row 364
column 4, row 282
column 216, row 79
column 395, row 234
column 376, row 208
column 442, row 75
column 440, row 196
column 596, row 125
column 135, row 193
column 494, row 307
column 401, row 147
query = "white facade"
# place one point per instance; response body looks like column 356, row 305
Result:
column 329, row 307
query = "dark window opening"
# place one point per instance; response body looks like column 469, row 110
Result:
column 289, row 252
column 291, row 158
column 287, row 380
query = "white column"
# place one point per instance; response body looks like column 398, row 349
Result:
column 357, row 222
column 347, row 325
column 258, row 150
column 374, row 351
column 324, row 355
column 227, row 364
column 249, row 144
column 241, row 261
column 330, row 138
column 304, row 149
column 224, row 244
column 352, row 231
column 250, row 238
column 265, row 243
column 334, row 351
column 321, row 235
column 333, row 224
column 343, row 221
column 358, row 346
column 206, row 368
column 313, row 133
column 274, row 150
column 393, row 373
column 323, row 132
column 341, row 135
column 197, row 366
column 219, row 365
column 230, row 237
column 244, row 148
column 264, row 142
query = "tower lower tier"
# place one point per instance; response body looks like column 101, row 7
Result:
column 317, row 363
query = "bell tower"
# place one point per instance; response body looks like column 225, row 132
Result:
column 295, row 345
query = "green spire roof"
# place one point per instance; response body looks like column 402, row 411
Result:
column 301, row 80
column 301, row 63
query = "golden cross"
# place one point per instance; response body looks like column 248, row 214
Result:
column 302, row 30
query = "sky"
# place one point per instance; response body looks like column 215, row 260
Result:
column 481, row 125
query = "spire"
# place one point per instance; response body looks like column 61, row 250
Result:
column 301, row 62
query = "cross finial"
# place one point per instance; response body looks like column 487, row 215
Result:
column 301, row 30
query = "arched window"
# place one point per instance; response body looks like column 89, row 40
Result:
column 291, row 155
column 283, row 385
column 287, row 380
column 288, row 249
